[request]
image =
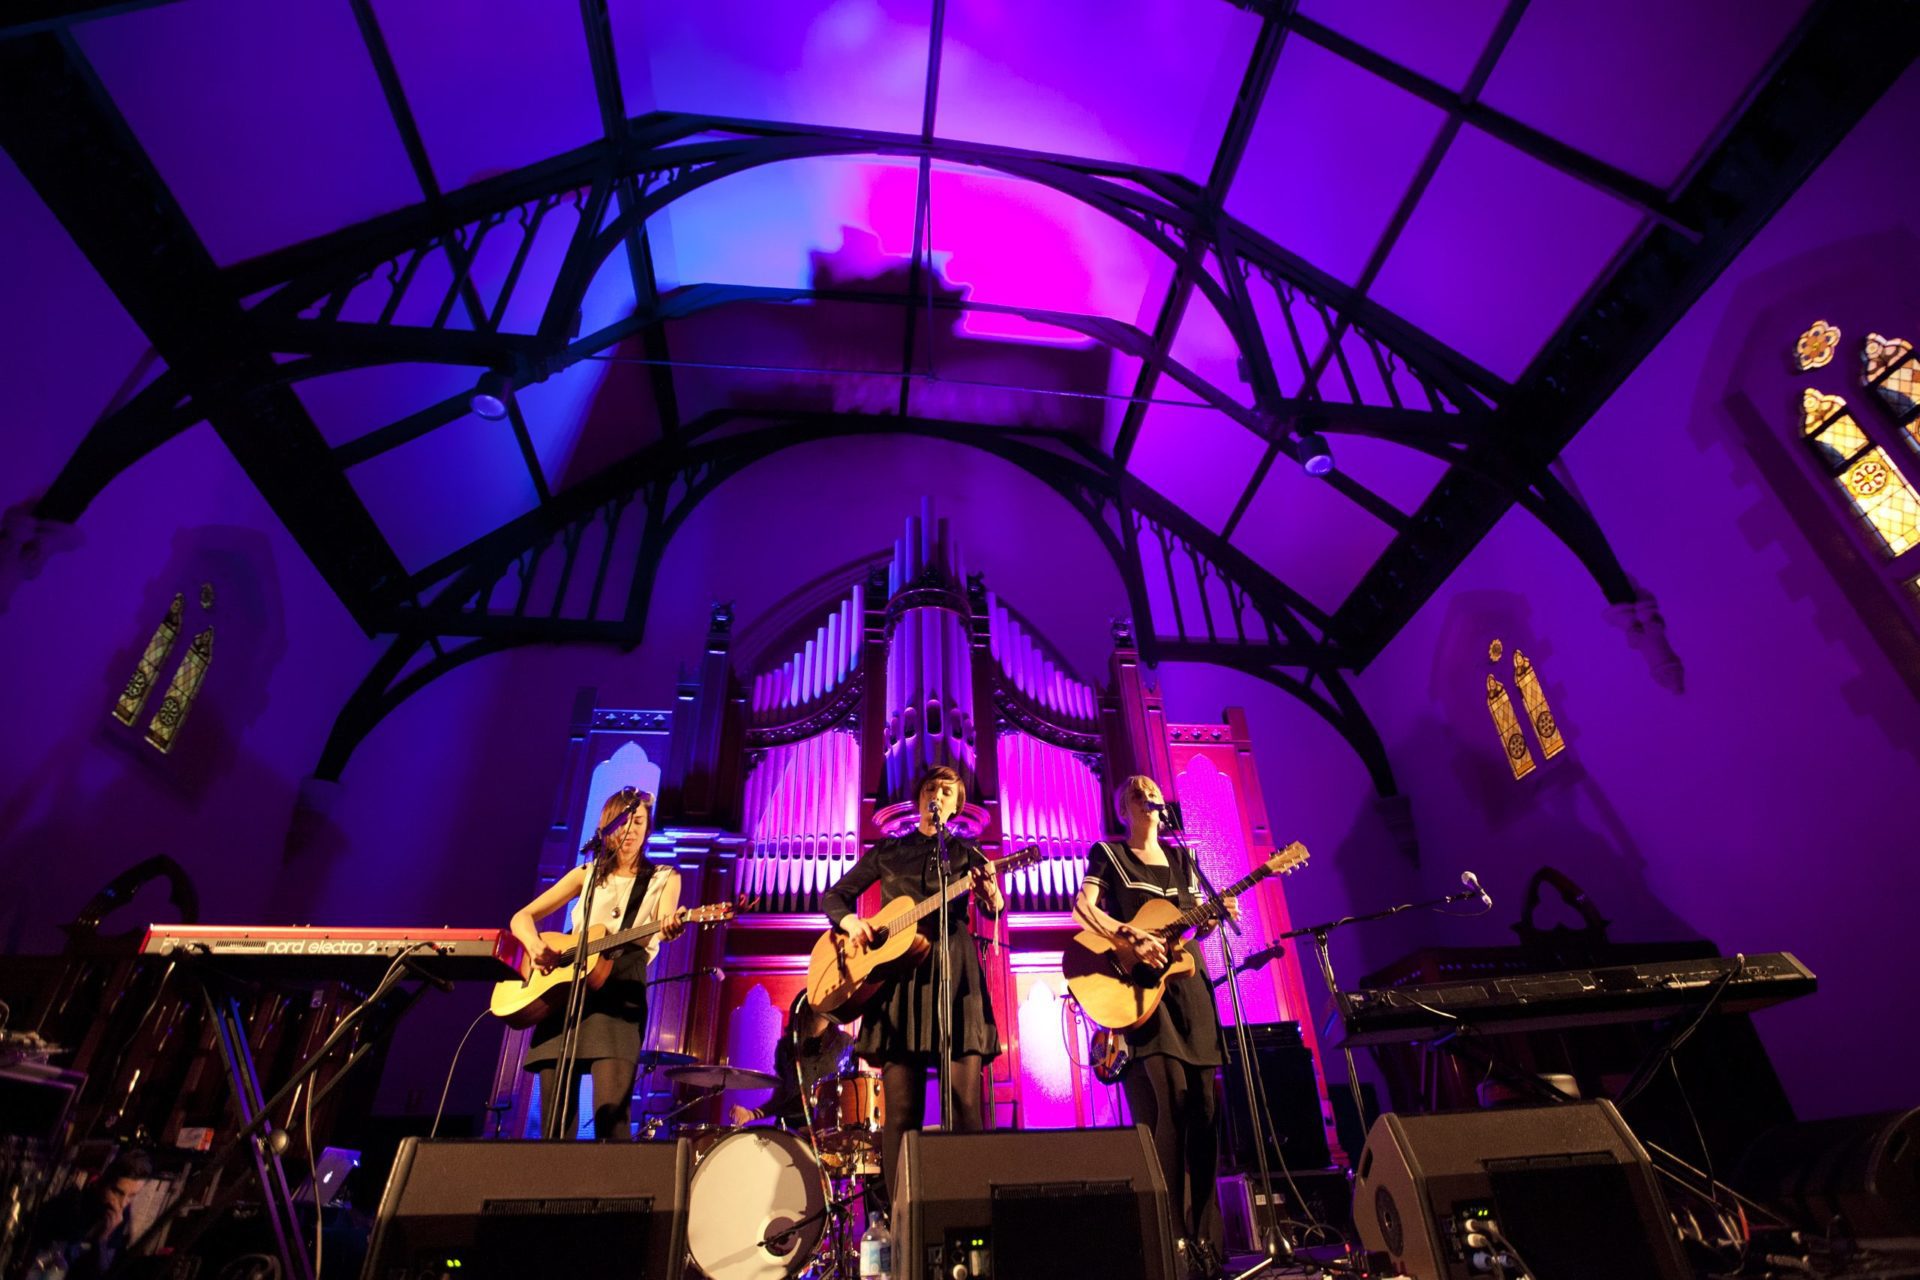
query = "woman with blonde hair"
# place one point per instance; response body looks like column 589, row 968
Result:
column 1169, row 1080
column 628, row 891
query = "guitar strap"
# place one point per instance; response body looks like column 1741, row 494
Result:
column 636, row 895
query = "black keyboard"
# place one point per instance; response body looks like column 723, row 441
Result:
column 1569, row 998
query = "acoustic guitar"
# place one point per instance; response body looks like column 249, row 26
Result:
column 1121, row 998
column 524, row 1001
column 841, row 977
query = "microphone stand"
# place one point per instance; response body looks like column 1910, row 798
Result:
column 1274, row 1242
column 945, row 1018
column 1319, row 932
column 577, row 989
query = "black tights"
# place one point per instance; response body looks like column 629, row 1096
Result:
column 1177, row 1103
column 906, row 1087
column 612, row 1096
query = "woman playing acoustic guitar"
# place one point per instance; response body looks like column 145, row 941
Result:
column 899, row 1029
column 628, row 891
column 1169, row 1081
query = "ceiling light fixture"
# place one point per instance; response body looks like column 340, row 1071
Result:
column 1311, row 450
column 490, row 395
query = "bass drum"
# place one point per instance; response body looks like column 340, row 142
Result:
column 749, row 1186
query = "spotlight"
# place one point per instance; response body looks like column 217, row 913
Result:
column 1313, row 453
column 490, row 395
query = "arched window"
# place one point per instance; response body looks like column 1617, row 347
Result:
column 1869, row 449
column 170, row 716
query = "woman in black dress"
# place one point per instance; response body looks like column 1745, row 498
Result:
column 899, row 1029
column 1169, row 1081
column 627, row 891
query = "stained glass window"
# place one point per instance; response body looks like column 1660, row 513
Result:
column 171, row 714
column 1894, row 375
column 1873, row 482
column 1815, row 347
column 146, row 673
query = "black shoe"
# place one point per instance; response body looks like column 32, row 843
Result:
column 1199, row 1261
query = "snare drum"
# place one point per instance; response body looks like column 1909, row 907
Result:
column 848, row 1110
column 752, row 1184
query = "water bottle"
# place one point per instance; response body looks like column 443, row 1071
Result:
column 876, row 1251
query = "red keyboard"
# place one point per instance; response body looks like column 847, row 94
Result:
column 312, row 951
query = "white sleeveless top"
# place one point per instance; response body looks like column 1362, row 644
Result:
column 610, row 904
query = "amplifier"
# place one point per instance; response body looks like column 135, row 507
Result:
column 1032, row 1205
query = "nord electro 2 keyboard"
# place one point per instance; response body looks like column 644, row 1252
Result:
column 1570, row 998
column 309, row 951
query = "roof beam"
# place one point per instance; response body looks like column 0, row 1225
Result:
column 1226, row 163
column 1841, row 60
column 71, row 143
column 598, row 25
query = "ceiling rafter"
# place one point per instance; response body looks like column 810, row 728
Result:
column 1226, row 163
column 1841, row 60
column 71, row 143
column 458, row 624
column 598, row 25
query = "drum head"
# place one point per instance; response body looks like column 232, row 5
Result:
column 751, row 1185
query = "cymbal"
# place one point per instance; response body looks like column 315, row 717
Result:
column 665, row 1058
column 704, row 1077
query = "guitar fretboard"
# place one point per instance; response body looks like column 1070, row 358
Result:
column 932, row 903
column 1205, row 911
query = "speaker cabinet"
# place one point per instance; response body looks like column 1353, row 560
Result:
column 1569, row 1187
column 1285, row 1072
column 1032, row 1205
column 471, row 1210
column 1861, row 1172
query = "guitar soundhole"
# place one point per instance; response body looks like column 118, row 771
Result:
column 880, row 936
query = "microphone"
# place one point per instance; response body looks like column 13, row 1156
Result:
column 1472, row 882
column 1155, row 806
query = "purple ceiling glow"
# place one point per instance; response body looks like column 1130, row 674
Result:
column 1469, row 240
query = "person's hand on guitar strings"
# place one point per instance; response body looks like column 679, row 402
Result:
column 1146, row 948
column 673, row 925
column 858, row 932
column 986, row 888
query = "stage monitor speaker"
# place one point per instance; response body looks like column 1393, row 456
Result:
column 1569, row 1187
column 1032, row 1205
column 497, row 1210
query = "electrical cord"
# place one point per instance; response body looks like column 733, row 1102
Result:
column 447, row 1088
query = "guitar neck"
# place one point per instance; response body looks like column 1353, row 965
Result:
column 1205, row 911
column 932, row 903
column 639, row 933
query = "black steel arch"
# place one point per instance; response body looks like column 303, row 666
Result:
column 1105, row 498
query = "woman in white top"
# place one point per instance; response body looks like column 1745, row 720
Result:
column 615, row 1019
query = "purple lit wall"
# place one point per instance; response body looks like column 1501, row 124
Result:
column 1699, row 814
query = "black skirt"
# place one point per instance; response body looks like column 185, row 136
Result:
column 901, row 1023
column 614, row 1023
column 1187, row 1023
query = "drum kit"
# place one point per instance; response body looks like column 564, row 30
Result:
column 767, row 1203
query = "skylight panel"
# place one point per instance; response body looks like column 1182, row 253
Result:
column 435, row 494
column 1308, row 535
column 493, row 86
column 265, row 120
column 1330, row 158
column 850, row 65
column 1136, row 81
column 1200, row 459
column 1499, row 251
column 1439, row 41
column 1640, row 84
